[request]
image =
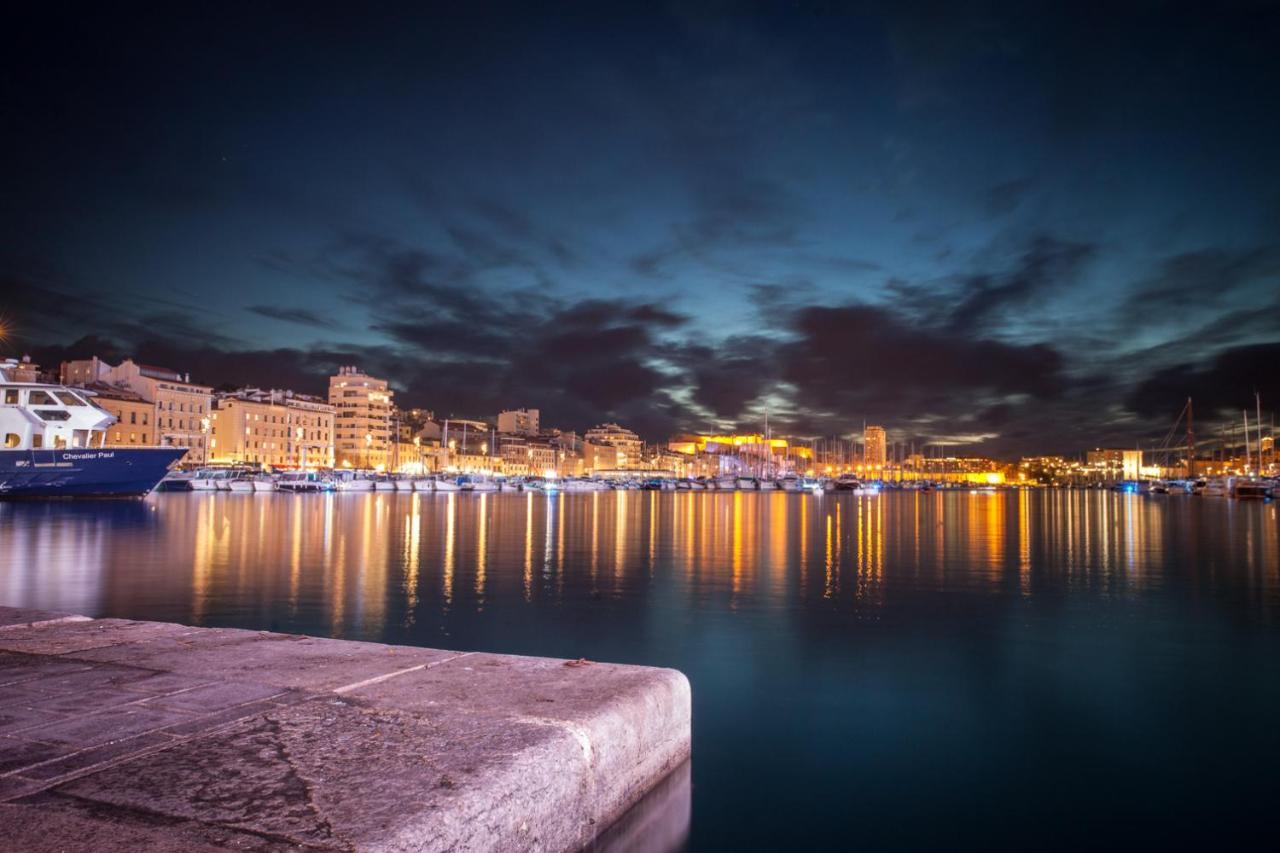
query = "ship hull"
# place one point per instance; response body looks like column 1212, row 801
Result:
column 107, row 472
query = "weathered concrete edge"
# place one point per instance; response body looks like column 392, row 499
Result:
column 599, row 764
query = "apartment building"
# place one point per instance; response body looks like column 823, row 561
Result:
column 279, row 429
column 363, row 436
column 180, row 408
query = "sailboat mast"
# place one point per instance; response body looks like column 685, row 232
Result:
column 1257, row 401
column 1247, row 452
column 1191, row 442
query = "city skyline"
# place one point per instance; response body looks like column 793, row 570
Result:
column 994, row 232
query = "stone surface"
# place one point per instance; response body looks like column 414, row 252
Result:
column 145, row 736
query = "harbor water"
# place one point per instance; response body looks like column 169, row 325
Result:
column 1030, row 669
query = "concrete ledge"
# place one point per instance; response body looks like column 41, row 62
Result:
column 137, row 735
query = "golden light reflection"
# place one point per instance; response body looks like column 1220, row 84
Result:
column 295, row 555
column 528, row 546
column 341, row 564
column 619, row 532
column 413, row 547
column 482, row 544
column 1024, row 541
column 804, row 543
column 830, row 588
column 450, row 531
column 736, row 533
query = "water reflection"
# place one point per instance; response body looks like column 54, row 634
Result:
column 331, row 558
column 1089, row 643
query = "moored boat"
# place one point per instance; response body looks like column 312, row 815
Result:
column 54, row 446
column 847, row 483
column 303, row 481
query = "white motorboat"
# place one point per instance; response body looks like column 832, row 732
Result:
column 242, row 483
column 766, row 485
column 446, row 484
column 403, row 484
column 352, row 481
column 207, row 479
column 1216, row 487
column 264, row 483
column 303, row 481
column 426, row 484
column 789, row 483
column 746, row 484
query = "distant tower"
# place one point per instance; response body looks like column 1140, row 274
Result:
column 874, row 446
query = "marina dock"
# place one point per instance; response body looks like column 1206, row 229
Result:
column 144, row 735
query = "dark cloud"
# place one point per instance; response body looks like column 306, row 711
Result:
column 863, row 359
column 1045, row 266
column 1194, row 280
column 1223, row 386
column 727, row 378
column 300, row 316
column 1005, row 197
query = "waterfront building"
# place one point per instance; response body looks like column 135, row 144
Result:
column 747, row 452
column 363, row 423
column 135, row 417
column 418, row 455
column 628, row 445
column 518, row 421
column 874, row 449
column 527, row 455
column 603, row 457
column 279, row 429
column 180, row 408
column 467, row 446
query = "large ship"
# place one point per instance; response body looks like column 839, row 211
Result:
column 54, row 446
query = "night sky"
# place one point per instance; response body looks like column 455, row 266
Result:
column 1032, row 227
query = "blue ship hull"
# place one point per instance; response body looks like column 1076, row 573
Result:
column 106, row 472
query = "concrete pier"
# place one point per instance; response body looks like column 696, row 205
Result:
column 120, row 735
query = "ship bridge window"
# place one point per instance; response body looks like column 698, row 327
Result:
column 52, row 414
column 11, row 396
column 41, row 398
column 69, row 399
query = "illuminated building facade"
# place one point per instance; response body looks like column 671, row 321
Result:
column 180, row 408
column 741, row 453
column 363, row 423
column 527, row 455
column 278, row 429
column 874, row 452
column 518, row 422
column 135, row 424
column 629, row 447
